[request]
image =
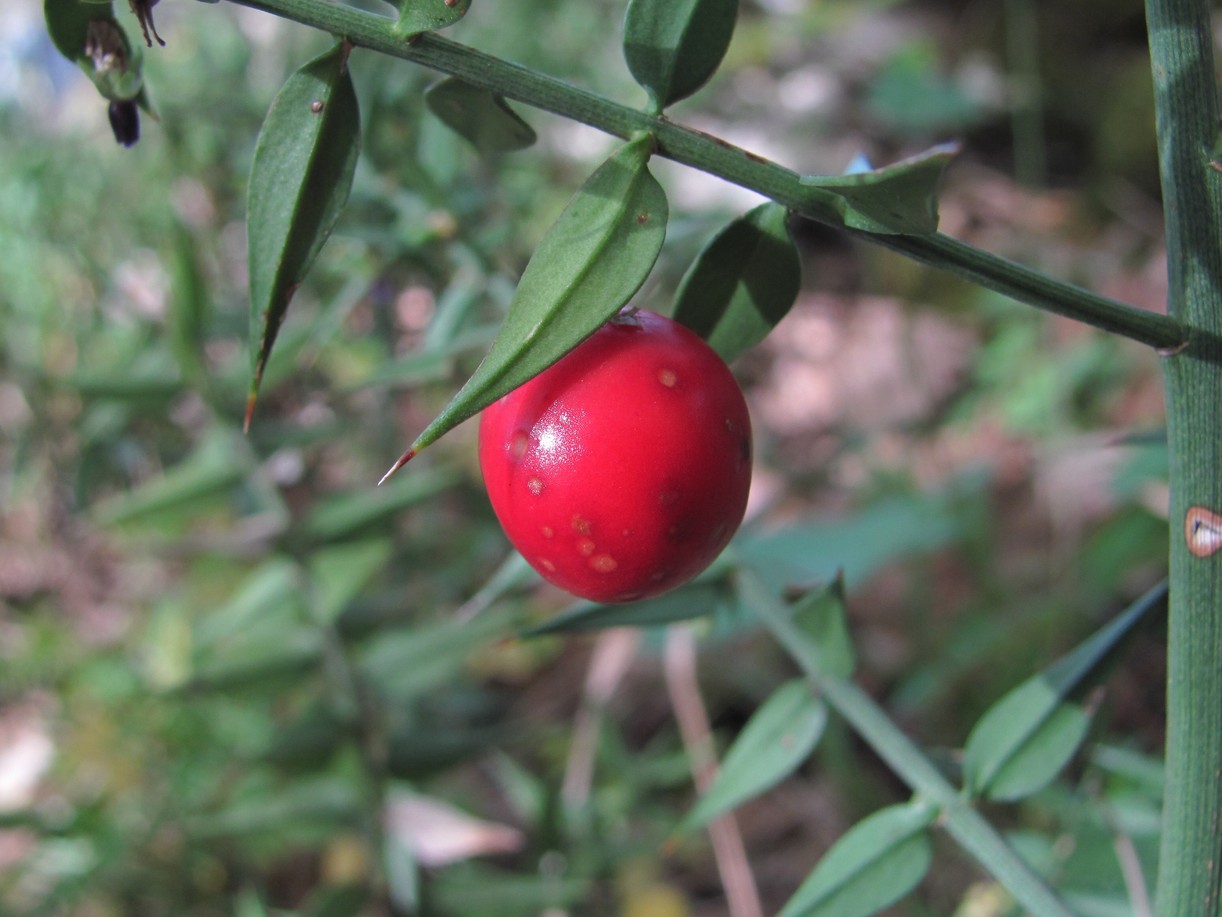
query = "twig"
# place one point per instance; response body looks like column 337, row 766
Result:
column 742, row 897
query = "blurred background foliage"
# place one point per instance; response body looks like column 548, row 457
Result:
column 237, row 679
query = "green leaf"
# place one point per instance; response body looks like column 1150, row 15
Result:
column 340, row 573
column 210, row 472
column 299, row 182
column 780, row 735
column 820, row 614
column 876, row 863
column 301, row 804
column 743, row 283
column 349, row 514
column 589, row 264
column 405, row 664
column 480, row 116
column 418, row 16
column 900, row 199
column 672, row 47
column 692, row 601
column 857, row 544
column 1022, row 741
column 187, row 320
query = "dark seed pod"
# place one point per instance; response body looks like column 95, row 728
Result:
column 125, row 122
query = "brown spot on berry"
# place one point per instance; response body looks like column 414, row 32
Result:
column 603, row 563
column 668, row 377
column 585, row 547
column 535, row 486
column 582, row 526
column 517, row 444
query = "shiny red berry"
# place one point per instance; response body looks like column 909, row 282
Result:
column 621, row 471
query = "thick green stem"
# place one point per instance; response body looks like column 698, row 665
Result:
column 715, row 156
column 1186, row 102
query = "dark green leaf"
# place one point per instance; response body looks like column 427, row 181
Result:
column 901, row 199
column 310, row 739
column 673, row 46
column 875, row 864
column 780, row 735
column 590, row 262
column 482, row 117
column 299, row 182
column 1023, row 740
column 691, row 601
column 417, row 16
column 422, row 750
column 743, row 283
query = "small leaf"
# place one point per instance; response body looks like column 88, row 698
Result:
column 187, row 320
column 672, row 47
column 589, row 264
column 876, row 863
column 820, row 614
column 900, row 199
column 340, row 573
column 302, row 804
column 1022, row 741
column 692, row 601
column 480, row 116
column 857, row 544
column 405, row 664
column 419, row 16
column 743, row 283
column 347, row 514
column 780, row 735
column 299, row 182
column 213, row 470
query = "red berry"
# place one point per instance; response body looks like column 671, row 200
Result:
column 623, row 470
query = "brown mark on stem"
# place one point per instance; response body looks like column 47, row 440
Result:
column 1203, row 531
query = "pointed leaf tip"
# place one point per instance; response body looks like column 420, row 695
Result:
column 250, row 412
column 403, row 460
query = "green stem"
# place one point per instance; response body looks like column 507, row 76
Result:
column 967, row 826
column 715, row 156
column 1186, row 104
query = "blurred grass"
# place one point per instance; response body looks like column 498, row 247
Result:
column 235, row 646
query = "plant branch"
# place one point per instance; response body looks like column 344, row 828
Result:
column 742, row 897
column 967, row 826
column 715, row 156
column 1187, row 109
